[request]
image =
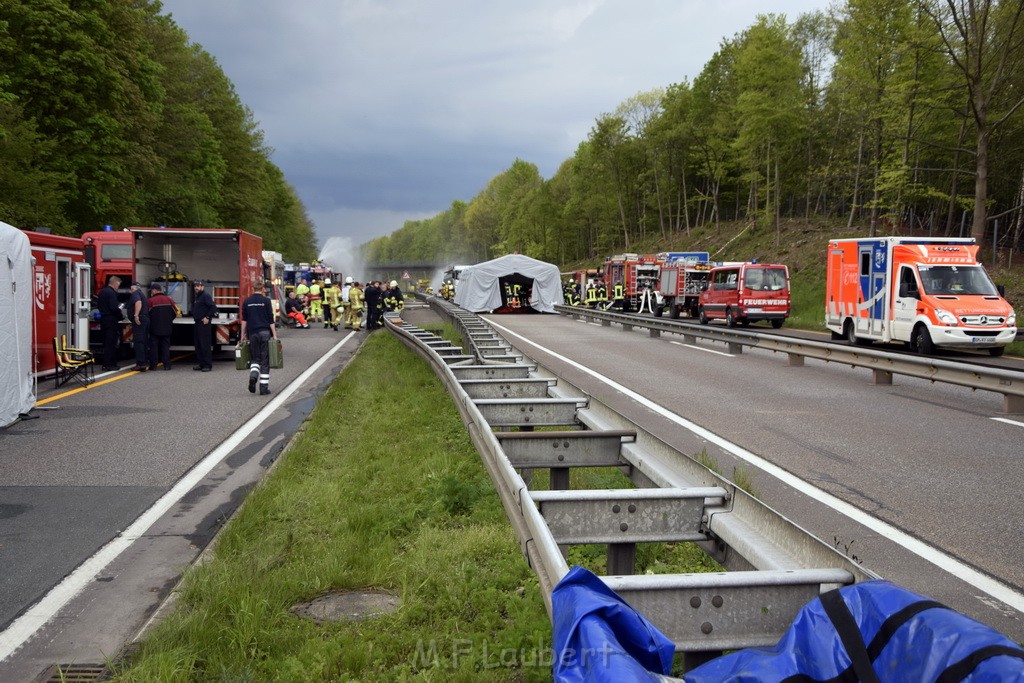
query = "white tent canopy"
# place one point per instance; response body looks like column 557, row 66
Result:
column 494, row 284
column 17, row 390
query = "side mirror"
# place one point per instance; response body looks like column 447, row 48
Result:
column 1002, row 290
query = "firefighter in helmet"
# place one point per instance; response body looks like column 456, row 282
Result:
column 332, row 299
column 618, row 296
column 393, row 300
column 591, row 294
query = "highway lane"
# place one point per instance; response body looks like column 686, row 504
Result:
column 927, row 459
column 73, row 480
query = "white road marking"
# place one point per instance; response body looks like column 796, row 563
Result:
column 701, row 348
column 26, row 626
column 979, row 580
column 1016, row 423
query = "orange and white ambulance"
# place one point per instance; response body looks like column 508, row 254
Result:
column 927, row 292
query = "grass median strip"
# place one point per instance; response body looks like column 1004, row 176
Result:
column 382, row 492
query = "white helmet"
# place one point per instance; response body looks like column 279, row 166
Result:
column 348, row 280
column 327, row 281
column 394, row 283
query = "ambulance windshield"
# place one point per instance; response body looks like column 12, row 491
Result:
column 956, row 281
column 764, row 279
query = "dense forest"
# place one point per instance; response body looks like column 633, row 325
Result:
column 880, row 117
column 109, row 115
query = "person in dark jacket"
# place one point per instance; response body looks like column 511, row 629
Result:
column 204, row 310
column 258, row 327
column 162, row 312
column 110, row 321
column 138, row 314
column 374, row 305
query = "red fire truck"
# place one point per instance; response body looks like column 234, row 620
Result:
column 681, row 279
column 226, row 260
column 62, row 288
column 638, row 274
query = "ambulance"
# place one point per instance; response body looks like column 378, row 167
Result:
column 926, row 292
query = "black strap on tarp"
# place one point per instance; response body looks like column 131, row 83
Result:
column 848, row 631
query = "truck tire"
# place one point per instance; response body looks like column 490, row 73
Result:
column 777, row 323
column 997, row 351
column 730, row 318
column 704, row 320
column 921, row 341
column 673, row 310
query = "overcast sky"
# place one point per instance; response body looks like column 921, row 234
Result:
column 382, row 111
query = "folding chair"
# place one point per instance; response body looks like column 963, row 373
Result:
column 68, row 368
column 76, row 354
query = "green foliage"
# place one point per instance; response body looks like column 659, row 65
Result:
column 109, row 115
column 858, row 119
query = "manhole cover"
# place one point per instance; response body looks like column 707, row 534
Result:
column 348, row 606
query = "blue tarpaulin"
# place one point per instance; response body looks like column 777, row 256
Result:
column 597, row 636
column 874, row 631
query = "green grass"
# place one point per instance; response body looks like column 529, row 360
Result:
column 383, row 490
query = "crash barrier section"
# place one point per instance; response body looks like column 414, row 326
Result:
column 775, row 567
column 883, row 365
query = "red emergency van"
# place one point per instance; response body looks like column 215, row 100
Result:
column 742, row 293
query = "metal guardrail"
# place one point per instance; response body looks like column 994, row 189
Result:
column 775, row 566
column 883, row 365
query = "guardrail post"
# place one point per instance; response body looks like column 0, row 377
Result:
column 655, row 333
column 735, row 348
column 796, row 360
column 689, row 339
column 621, row 559
column 881, row 377
column 1013, row 405
column 606, row 323
column 559, row 478
column 626, row 327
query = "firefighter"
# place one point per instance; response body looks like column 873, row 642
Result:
column 602, row 294
column 355, row 307
column 591, row 294
column 393, row 300
column 332, row 299
column 618, row 296
column 569, row 292
column 258, row 328
column 315, row 303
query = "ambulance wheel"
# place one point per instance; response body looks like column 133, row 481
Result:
column 777, row 323
column 922, row 341
column 850, row 333
column 730, row 318
column 996, row 351
column 704, row 320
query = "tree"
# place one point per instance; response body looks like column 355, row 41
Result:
column 985, row 41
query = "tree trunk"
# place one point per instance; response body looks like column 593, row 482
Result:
column 953, row 185
column 978, row 227
column 856, row 181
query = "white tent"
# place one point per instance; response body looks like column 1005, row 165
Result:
column 509, row 283
column 17, row 392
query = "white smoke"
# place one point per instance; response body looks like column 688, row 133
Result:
column 343, row 257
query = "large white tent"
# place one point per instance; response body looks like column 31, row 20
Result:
column 17, row 390
column 510, row 283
